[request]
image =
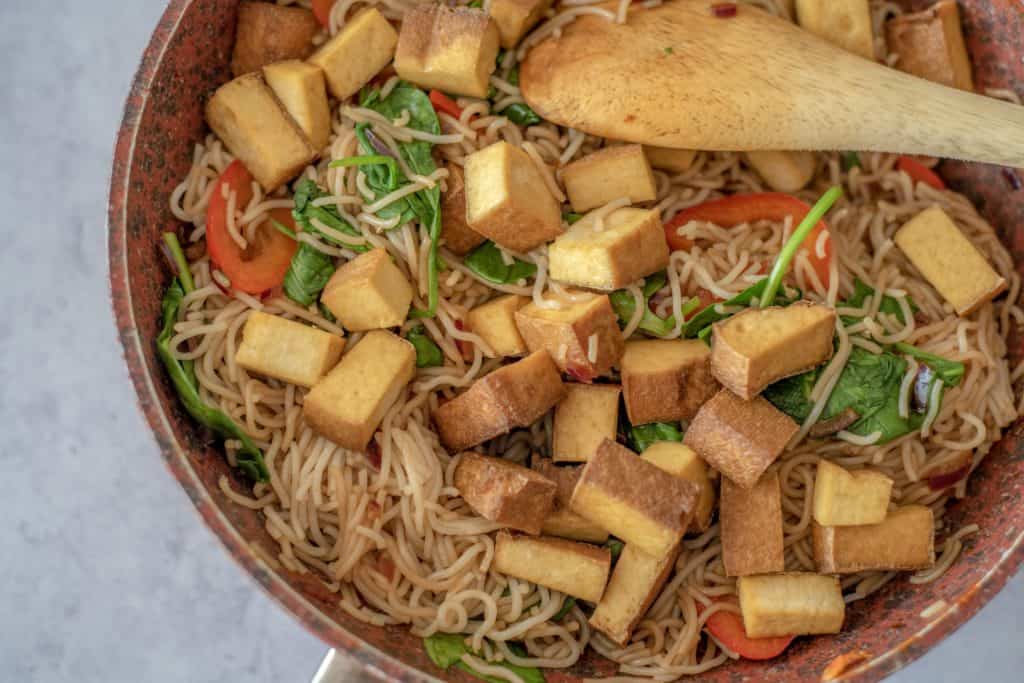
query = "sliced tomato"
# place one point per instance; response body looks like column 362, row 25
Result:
column 920, row 173
column 260, row 266
column 444, row 103
column 464, row 347
column 728, row 628
column 322, row 11
column 730, row 211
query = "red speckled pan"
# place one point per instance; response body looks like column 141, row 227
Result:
column 188, row 57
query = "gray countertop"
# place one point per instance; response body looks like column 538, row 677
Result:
column 106, row 573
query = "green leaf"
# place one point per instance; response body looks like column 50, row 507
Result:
column 793, row 395
column 521, row 114
column 625, row 305
column 571, row 217
column 861, row 293
column 180, row 262
column 566, row 608
column 487, row 262
column 446, row 650
column 428, row 354
column 305, row 212
column 642, row 437
column 849, row 160
column 475, row 4
column 615, row 546
column 307, row 274
column 326, row 312
column 949, row 371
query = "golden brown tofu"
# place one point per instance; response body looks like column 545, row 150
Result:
column 348, row 404
column 507, row 200
column 752, row 527
column 791, row 604
column 635, row 583
column 247, row 116
column 270, row 33
column 357, row 53
column 666, row 380
column 368, row 293
column 930, row 44
column 670, row 159
column 681, row 461
column 582, row 337
column 948, row 260
column 455, row 231
column 587, row 416
column 562, row 521
column 287, row 350
column 303, row 93
column 504, row 492
column 739, row 438
column 576, row 569
column 495, row 322
column 783, row 171
column 634, row 500
column 905, row 540
column 846, row 23
column 628, row 246
column 759, row 346
column 515, row 17
column 515, row 395
column 844, row 498
column 609, row 174
column 448, row 48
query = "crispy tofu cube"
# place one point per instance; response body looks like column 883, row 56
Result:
column 562, row 521
column 270, row 33
column 448, row 48
column 609, row 174
column 783, row 171
column 930, row 45
column 670, row 159
column 846, row 23
column 635, row 583
column 504, row 492
column 287, row 350
column 348, row 404
column 587, row 416
column 247, row 116
column 630, row 245
column 739, row 438
column 844, row 498
column 368, row 293
column 791, row 604
column 681, row 461
column 495, row 322
column 515, row 17
column 634, row 500
column 455, row 231
column 752, row 527
column 515, row 395
column 357, row 53
column 759, row 346
column 948, row 260
column 507, row 200
column 301, row 89
column 905, row 540
column 577, row 569
column 582, row 337
column 666, row 380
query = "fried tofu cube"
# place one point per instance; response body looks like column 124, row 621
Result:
column 905, row 540
column 681, row 461
column 740, row 438
column 349, row 403
column 759, row 346
column 609, row 174
column 287, row 350
column 583, row 337
column 507, row 200
column 303, row 93
column 247, row 116
column 269, row 33
column 587, row 416
column 448, row 48
column 776, row 605
column 635, row 583
column 562, row 521
column 783, row 171
column 368, row 293
column 504, row 492
column 948, row 260
column 846, row 23
column 515, row 395
column 752, row 535
column 634, row 500
column 930, row 45
column 576, row 569
column 666, row 380
column 495, row 322
column 670, row 159
column 515, row 17
column 630, row 245
column 455, row 231
column 364, row 46
column 844, row 498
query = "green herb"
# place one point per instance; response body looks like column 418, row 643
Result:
column 283, row 229
column 849, row 160
column 668, row 50
column 571, row 217
column 488, row 263
column 326, row 312
column 492, row 92
column 889, row 305
column 305, row 212
column 615, row 546
column 446, row 650
column 521, row 114
column 180, row 262
column 513, row 76
column 949, row 371
column 642, row 437
column 699, row 326
column 475, row 4
column 566, row 608
column 307, row 274
column 625, row 305
column 428, row 354
column 368, row 95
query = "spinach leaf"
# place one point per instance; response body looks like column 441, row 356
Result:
column 949, row 371
column 861, row 293
column 793, row 395
column 571, row 217
column 475, row 4
column 306, row 211
column 446, row 649
column 566, row 608
column 488, row 263
column 521, row 114
column 849, row 160
column 428, row 354
column 615, row 546
column 326, row 312
column 642, row 437
column 625, row 305
column 307, row 274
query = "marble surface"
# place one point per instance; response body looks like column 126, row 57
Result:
column 106, row 573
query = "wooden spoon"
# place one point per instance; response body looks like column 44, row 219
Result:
column 678, row 76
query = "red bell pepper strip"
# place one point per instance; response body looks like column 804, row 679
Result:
column 444, row 103
column 920, row 173
column 322, row 11
column 728, row 628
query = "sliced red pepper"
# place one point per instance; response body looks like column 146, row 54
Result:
column 464, row 347
column 262, row 265
column 920, row 173
column 444, row 103
column 731, row 211
column 581, row 374
column 322, row 11
column 728, row 628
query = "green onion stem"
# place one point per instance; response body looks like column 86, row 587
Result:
column 184, row 274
